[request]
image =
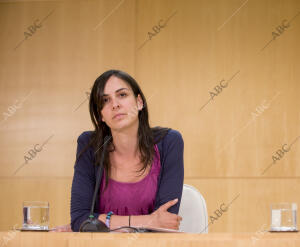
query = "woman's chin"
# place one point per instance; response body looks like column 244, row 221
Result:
column 123, row 125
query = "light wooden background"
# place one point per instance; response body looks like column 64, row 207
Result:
column 229, row 137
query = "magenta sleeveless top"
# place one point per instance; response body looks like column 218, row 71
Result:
column 136, row 198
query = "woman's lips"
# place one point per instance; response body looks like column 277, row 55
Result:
column 118, row 115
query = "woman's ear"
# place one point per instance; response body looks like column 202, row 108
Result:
column 102, row 119
column 140, row 102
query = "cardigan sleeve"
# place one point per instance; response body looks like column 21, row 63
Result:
column 83, row 184
column 172, row 175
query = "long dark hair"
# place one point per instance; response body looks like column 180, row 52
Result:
column 147, row 136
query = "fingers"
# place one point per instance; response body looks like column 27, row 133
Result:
column 175, row 223
column 179, row 218
column 168, row 204
column 167, row 219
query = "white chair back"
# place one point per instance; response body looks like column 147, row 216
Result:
column 193, row 211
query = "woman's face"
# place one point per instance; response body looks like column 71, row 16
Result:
column 118, row 99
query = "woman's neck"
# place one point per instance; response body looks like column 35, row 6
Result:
column 126, row 142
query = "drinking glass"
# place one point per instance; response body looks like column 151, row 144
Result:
column 35, row 215
column 284, row 217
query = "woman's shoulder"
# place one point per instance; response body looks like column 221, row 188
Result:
column 166, row 134
column 171, row 138
column 85, row 136
column 174, row 135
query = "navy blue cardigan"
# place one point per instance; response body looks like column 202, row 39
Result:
column 170, row 180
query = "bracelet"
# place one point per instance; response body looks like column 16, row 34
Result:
column 129, row 220
column 108, row 216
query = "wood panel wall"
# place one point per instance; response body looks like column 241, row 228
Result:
column 225, row 73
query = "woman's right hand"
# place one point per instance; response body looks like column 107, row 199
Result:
column 163, row 219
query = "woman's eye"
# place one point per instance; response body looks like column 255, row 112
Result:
column 105, row 100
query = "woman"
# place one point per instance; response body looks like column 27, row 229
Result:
column 143, row 171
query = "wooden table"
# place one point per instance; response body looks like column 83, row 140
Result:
column 72, row 239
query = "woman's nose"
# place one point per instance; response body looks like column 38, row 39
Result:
column 115, row 104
